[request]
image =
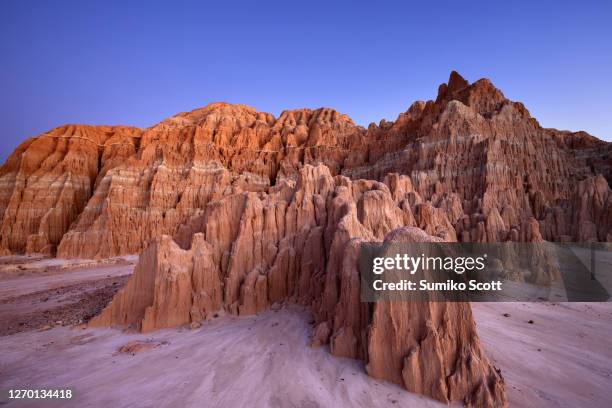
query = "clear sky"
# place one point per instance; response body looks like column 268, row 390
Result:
column 136, row 63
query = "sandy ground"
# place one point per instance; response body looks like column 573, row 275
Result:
column 37, row 293
column 71, row 270
column 257, row 361
column 562, row 359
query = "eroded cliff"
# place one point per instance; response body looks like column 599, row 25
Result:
column 235, row 210
column 300, row 243
column 87, row 191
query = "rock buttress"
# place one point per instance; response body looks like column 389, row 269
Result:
column 300, row 244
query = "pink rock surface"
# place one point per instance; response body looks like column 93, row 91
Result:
column 235, row 210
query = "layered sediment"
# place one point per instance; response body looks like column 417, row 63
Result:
column 235, row 210
column 300, row 243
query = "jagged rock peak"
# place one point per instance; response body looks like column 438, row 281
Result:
column 54, row 189
column 482, row 96
column 456, row 82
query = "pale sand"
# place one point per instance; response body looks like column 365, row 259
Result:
column 258, row 361
column 574, row 365
column 20, row 286
column 265, row 360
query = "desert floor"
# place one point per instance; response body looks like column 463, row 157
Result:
column 562, row 359
column 37, row 292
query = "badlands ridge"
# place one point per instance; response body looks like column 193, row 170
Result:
column 234, row 210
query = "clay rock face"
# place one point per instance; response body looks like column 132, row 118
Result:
column 169, row 283
column 496, row 160
column 234, row 210
column 435, row 349
column 46, row 183
column 97, row 191
column 192, row 159
column 300, row 244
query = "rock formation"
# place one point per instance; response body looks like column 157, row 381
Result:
column 300, row 242
column 98, row 191
column 48, row 181
column 235, row 210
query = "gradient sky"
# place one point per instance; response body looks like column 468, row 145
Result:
column 134, row 63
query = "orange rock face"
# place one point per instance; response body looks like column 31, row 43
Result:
column 300, row 242
column 86, row 191
column 48, row 181
column 234, row 210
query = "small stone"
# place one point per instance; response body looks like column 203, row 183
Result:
column 138, row 346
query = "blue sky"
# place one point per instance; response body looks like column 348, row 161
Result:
column 136, row 63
